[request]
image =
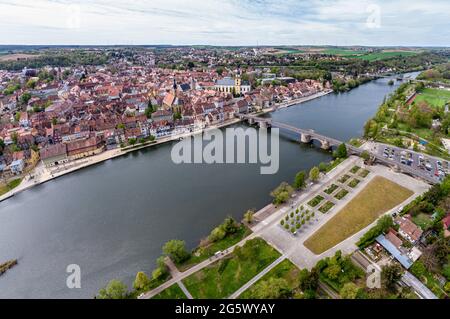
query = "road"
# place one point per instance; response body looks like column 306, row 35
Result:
column 403, row 167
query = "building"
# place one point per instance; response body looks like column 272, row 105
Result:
column 84, row 148
column 234, row 86
column 446, row 223
column 408, row 229
column 52, row 155
column 394, row 251
column 17, row 166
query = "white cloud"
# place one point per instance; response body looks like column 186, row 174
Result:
column 223, row 22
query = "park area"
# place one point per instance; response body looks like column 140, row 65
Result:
column 285, row 273
column 224, row 277
column 4, row 188
column 379, row 196
column 434, row 97
column 173, row 292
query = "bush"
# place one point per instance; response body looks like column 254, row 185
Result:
column 217, row 234
column 383, row 224
column 142, row 281
column 114, row 290
column 176, row 250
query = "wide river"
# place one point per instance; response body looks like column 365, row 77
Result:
column 112, row 219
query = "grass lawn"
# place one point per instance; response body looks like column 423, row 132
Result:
column 423, row 221
column 203, row 253
column 364, row 173
column 434, row 97
column 315, row 201
column 379, row 196
column 286, row 270
column 173, row 292
column 354, row 182
column 11, row 185
column 355, row 169
column 341, row 194
column 227, row 275
column 334, row 163
column 326, row 207
column 344, row 178
column 331, row 189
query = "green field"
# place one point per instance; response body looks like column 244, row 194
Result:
column 375, row 199
column 423, row 221
column 227, row 275
column 385, row 55
column 173, row 292
column 286, row 270
column 434, row 97
column 364, row 55
column 11, row 185
column 203, row 253
column 342, row 52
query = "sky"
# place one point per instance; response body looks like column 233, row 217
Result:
column 226, row 22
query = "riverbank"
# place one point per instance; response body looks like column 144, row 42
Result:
column 41, row 174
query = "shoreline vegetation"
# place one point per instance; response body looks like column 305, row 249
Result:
column 7, row 265
column 225, row 235
column 221, row 238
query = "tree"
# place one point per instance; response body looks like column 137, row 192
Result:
column 141, row 281
column 25, row 98
column 176, row 250
column 323, row 167
column 314, row 173
column 390, row 275
column 158, row 273
column 273, row 288
column 341, row 151
column 282, row 193
column 308, row 280
column 114, row 290
column 349, row 291
column 217, row 234
column 365, row 155
column 249, row 216
column 332, row 271
column 300, row 180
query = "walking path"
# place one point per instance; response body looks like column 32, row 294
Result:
column 41, row 174
column 184, row 289
column 257, row 277
column 257, row 229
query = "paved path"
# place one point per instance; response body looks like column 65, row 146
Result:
column 257, row 277
column 257, row 229
column 418, row 286
column 328, row 290
column 186, row 292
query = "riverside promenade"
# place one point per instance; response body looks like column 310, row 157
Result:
column 41, row 174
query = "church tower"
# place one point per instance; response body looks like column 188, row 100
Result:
column 237, row 82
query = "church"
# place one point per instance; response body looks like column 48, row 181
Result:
column 230, row 85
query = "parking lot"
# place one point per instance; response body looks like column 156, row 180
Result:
column 434, row 167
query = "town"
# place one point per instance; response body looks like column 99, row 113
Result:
column 381, row 203
column 55, row 116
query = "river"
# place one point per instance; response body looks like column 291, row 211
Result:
column 113, row 218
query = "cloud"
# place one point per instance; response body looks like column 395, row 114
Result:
column 224, row 22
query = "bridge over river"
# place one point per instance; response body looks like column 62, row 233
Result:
column 326, row 143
